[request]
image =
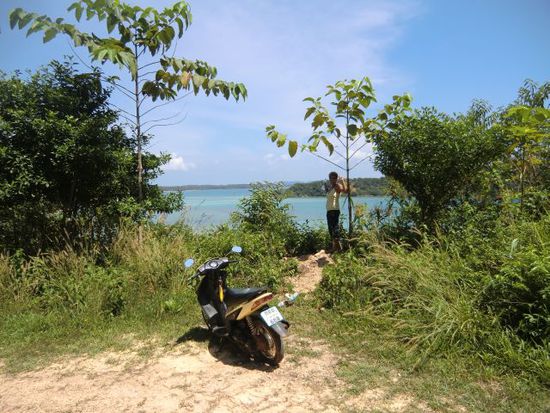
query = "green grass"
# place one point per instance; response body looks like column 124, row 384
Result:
column 371, row 357
column 408, row 321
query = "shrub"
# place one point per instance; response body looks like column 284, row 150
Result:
column 519, row 293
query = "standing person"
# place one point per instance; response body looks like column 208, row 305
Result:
column 335, row 187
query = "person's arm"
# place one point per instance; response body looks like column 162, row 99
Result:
column 340, row 187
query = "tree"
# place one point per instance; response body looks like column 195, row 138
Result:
column 527, row 124
column 145, row 38
column 434, row 156
column 349, row 131
column 67, row 166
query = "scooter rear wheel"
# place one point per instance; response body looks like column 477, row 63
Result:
column 271, row 347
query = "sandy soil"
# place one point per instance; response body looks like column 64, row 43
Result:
column 197, row 375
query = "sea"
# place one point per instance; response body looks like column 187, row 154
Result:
column 207, row 208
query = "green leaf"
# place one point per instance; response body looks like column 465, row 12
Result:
column 309, row 112
column 78, row 12
column 179, row 21
column 352, row 129
column 111, row 22
column 198, row 80
column 243, row 90
column 292, row 148
column 15, row 15
column 318, row 120
column 25, row 20
column 35, row 27
column 170, row 33
column 328, row 144
column 101, row 54
column 49, row 35
column 164, row 37
column 184, row 79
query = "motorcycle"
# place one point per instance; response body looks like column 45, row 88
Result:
column 240, row 314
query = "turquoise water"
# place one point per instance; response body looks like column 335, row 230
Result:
column 210, row 207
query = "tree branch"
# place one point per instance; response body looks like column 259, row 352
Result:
column 358, row 149
column 122, row 89
column 133, row 122
column 327, row 160
column 339, row 140
column 147, row 74
column 149, row 64
column 360, row 162
column 164, row 124
column 165, row 103
column 122, row 110
column 163, row 119
column 353, row 142
column 338, row 153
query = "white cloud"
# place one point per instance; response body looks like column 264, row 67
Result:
column 273, row 159
column 177, row 163
column 286, row 51
column 282, row 51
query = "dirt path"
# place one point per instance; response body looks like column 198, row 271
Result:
column 310, row 270
column 196, row 376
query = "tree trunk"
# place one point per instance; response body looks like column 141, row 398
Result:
column 139, row 144
column 350, row 224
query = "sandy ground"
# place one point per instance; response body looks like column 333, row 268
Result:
column 197, row 375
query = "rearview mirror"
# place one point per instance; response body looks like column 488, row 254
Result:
column 236, row 248
column 189, row 262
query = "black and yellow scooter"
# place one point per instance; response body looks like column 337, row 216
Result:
column 240, row 314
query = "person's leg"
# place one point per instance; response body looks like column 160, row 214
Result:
column 336, row 245
column 329, row 225
column 332, row 221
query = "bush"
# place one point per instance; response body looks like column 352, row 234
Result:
column 432, row 298
column 265, row 213
column 519, row 293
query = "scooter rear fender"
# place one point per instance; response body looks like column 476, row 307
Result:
column 280, row 327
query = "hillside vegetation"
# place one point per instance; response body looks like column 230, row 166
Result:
column 359, row 186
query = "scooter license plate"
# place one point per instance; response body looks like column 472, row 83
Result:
column 271, row 316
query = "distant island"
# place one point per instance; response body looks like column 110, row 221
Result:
column 361, row 186
column 193, row 187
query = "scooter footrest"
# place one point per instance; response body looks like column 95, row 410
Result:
column 220, row 331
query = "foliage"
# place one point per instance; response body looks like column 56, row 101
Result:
column 265, row 213
column 528, row 128
column 339, row 134
column 519, row 292
column 434, row 157
column 433, row 300
column 143, row 33
column 67, row 164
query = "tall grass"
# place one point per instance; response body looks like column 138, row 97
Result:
column 438, row 303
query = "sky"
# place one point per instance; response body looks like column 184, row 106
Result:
column 444, row 53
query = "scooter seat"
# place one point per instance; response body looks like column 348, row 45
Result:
column 235, row 296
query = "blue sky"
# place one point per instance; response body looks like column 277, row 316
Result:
column 445, row 53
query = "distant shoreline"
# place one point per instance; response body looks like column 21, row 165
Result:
column 201, row 187
column 362, row 186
